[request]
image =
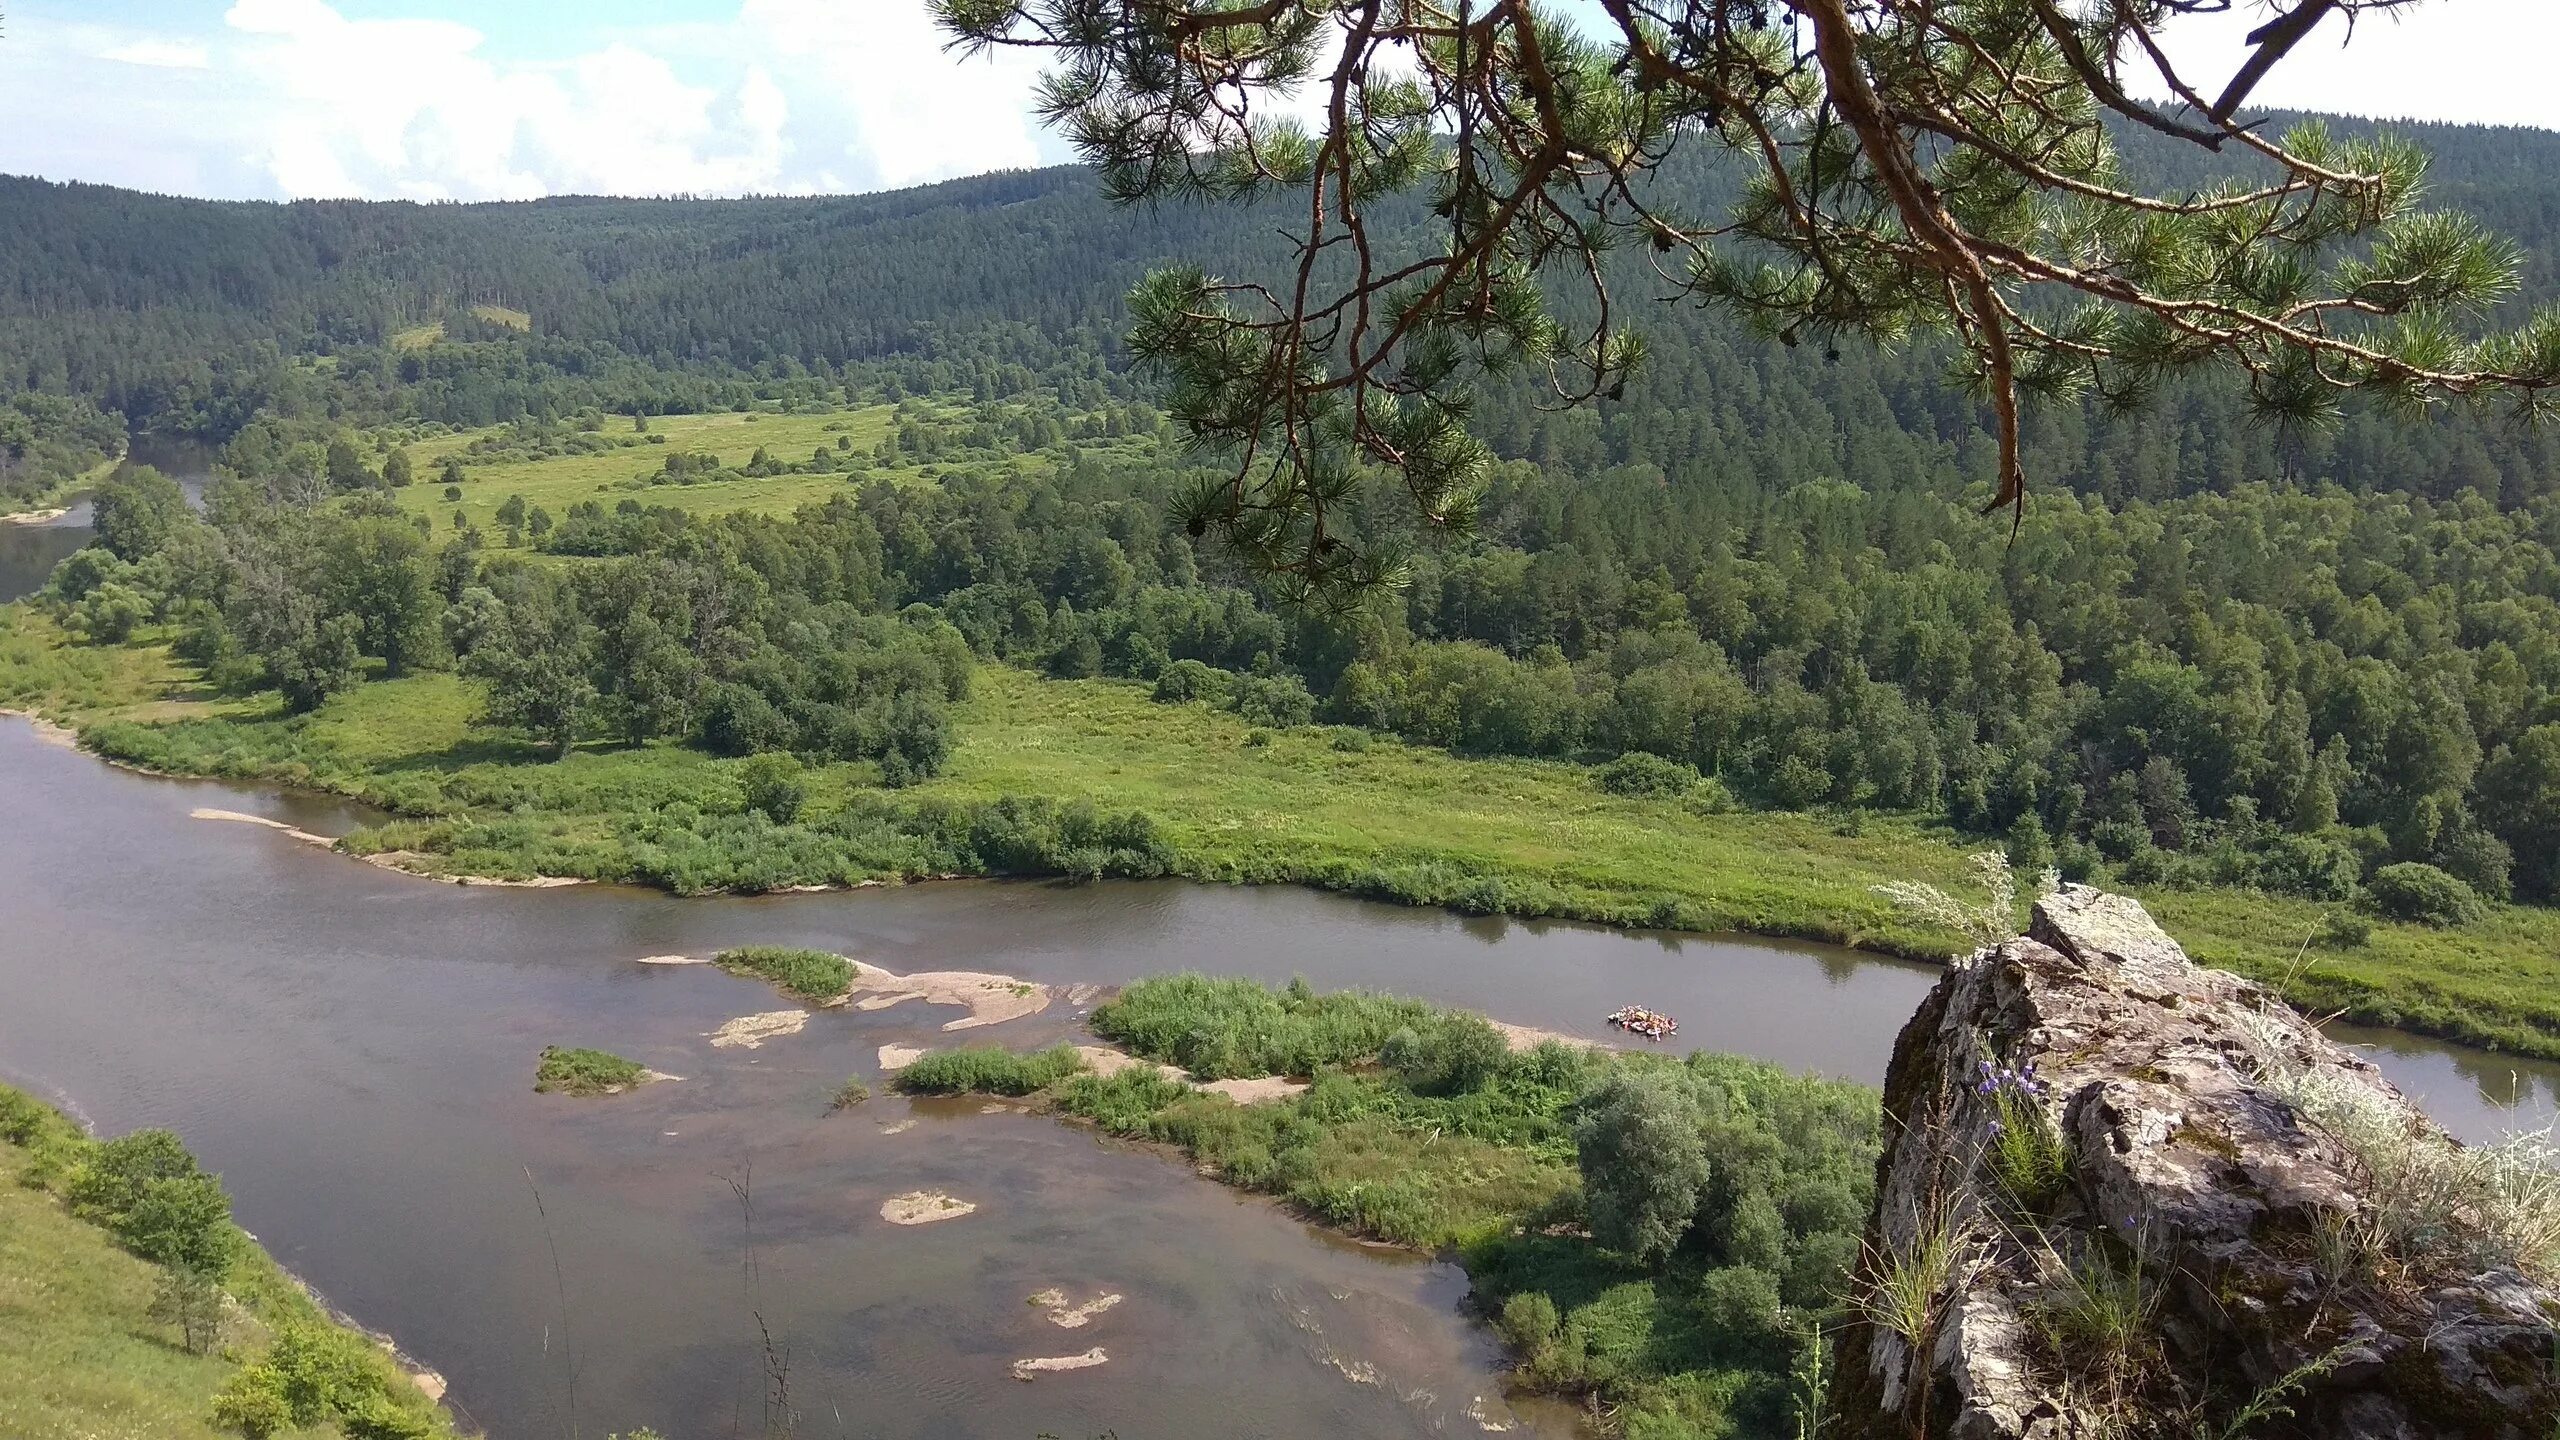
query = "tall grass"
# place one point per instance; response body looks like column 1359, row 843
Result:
column 575, row 1071
column 2428, row 1197
column 812, row 975
column 1221, row 1029
column 989, row 1070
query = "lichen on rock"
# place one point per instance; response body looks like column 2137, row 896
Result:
column 2220, row 1245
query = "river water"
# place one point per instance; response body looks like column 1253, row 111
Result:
column 354, row 1048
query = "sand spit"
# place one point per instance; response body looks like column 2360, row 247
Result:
column 240, row 818
column 901, row 1128
column 749, row 1032
column 1108, row 1060
column 36, row 517
column 1529, row 1037
column 1033, row 1369
column 923, row 1207
column 673, row 960
column 397, row 861
column 47, row 731
column 989, row 999
column 894, row 1058
column 1072, row 1317
column 1253, row 1092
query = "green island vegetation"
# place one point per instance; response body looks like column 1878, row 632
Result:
column 568, row 1070
column 812, row 975
column 988, row 1070
column 1665, row 1237
column 130, row 1304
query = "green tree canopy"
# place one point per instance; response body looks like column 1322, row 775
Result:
column 1909, row 168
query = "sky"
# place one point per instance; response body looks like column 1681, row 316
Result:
column 512, row 99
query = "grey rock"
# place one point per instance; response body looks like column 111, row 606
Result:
column 2185, row 1163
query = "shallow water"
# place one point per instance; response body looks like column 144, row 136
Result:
column 354, row 1049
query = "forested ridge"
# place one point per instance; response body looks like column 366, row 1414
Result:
column 2215, row 653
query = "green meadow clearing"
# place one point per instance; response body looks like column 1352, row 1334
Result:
column 557, row 482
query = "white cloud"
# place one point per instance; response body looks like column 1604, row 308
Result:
column 296, row 98
column 159, row 54
column 292, row 98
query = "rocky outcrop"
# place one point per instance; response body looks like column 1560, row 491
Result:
column 2120, row 1197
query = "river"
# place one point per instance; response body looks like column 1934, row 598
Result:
column 353, row 1049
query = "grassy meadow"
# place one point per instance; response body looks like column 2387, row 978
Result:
column 83, row 1358
column 90, row 1355
column 1369, row 815
column 555, row 483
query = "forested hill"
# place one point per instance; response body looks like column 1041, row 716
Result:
column 185, row 315
column 2326, row 665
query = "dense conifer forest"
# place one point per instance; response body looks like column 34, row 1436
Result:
column 2324, row 664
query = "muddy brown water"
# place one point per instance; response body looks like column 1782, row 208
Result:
column 353, row 1049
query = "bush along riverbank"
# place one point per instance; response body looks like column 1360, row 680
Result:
column 1093, row 778
column 1666, row 1238
column 130, row 1304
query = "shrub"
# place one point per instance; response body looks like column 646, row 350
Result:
column 1278, row 701
column 1640, row 773
column 1797, row 783
column 2422, row 893
column 1191, row 680
column 989, row 1070
column 183, row 1223
column 1643, row 1163
column 2343, row 930
column 1741, row 1302
column 806, row 974
column 376, row 1417
column 584, row 1072
column 849, row 1094
column 24, row 1119
column 1458, row 1054
column 773, row 786
column 253, row 1402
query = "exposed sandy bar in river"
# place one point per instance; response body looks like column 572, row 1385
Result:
column 391, row 860
column 1032, row 1369
column 990, row 999
column 36, row 517
column 46, row 730
column 749, row 1032
column 924, row 1207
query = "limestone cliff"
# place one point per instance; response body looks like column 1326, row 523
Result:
column 2125, row 1195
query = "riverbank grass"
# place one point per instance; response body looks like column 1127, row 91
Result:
column 567, row 1070
column 93, row 1337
